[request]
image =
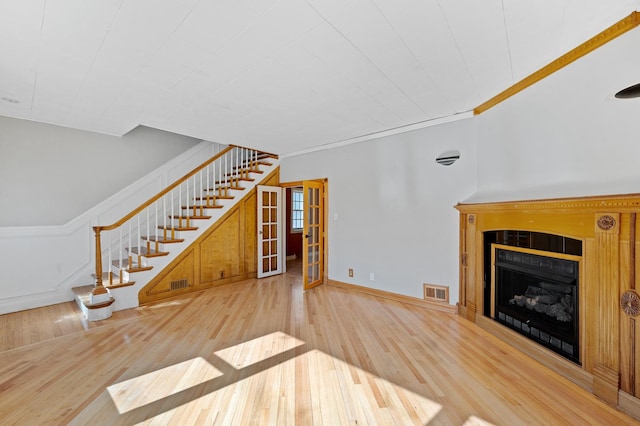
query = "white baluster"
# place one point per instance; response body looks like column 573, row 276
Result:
column 129, row 237
column 171, row 222
column 213, row 177
column 156, row 218
column 137, row 241
column 202, row 181
column 109, row 254
column 186, row 194
column 220, row 167
column 120, row 249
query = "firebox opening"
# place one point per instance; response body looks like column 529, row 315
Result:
column 534, row 291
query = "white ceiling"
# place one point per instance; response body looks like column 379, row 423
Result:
column 278, row 75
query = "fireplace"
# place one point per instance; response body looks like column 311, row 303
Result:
column 599, row 347
column 536, row 294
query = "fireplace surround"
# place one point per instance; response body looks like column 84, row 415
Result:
column 600, row 351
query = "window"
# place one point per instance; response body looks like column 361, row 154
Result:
column 297, row 210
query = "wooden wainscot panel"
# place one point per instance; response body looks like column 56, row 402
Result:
column 609, row 302
column 464, row 273
column 629, row 307
column 172, row 281
column 474, row 268
column 220, row 250
column 605, row 320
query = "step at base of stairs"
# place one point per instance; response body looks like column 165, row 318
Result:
column 115, row 281
column 94, row 308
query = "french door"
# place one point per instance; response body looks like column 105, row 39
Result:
column 269, row 231
column 313, row 232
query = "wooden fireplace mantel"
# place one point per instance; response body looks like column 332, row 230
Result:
column 609, row 302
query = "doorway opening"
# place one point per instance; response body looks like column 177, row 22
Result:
column 304, row 217
column 294, row 215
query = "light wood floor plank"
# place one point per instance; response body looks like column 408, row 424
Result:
column 265, row 352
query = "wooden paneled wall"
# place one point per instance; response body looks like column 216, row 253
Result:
column 224, row 254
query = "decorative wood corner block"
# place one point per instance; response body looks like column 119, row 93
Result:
column 471, row 311
column 606, row 383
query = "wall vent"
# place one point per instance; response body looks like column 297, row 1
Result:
column 436, row 293
column 178, row 285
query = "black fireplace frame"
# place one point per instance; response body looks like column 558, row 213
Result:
column 555, row 270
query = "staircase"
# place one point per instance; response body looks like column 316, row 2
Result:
column 130, row 252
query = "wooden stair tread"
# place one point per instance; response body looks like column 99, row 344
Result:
column 125, row 264
column 261, row 161
column 115, row 281
column 235, row 177
column 218, row 197
column 189, row 217
column 162, row 239
column 83, row 293
column 202, row 206
column 249, row 170
column 143, row 251
column 179, row 228
column 224, row 188
column 261, row 156
column 118, row 285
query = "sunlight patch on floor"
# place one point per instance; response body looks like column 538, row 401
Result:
column 476, row 421
column 259, row 349
column 159, row 384
column 267, row 390
column 164, row 304
column 365, row 398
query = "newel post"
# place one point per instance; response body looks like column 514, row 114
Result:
column 99, row 288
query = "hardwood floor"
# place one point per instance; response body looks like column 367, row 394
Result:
column 265, row 352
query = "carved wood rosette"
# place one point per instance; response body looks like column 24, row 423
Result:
column 630, row 303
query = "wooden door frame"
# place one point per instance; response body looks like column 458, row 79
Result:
column 325, row 230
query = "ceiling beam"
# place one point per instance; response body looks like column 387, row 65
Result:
column 614, row 31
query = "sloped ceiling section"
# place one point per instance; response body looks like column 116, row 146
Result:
column 277, row 75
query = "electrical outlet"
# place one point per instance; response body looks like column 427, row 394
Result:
column 351, row 272
column 372, row 276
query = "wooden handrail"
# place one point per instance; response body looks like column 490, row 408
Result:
column 162, row 193
column 270, row 154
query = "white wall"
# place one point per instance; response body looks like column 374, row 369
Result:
column 40, row 264
column 391, row 206
column 566, row 135
column 50, row 174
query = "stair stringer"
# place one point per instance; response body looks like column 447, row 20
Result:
column 126, row 297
